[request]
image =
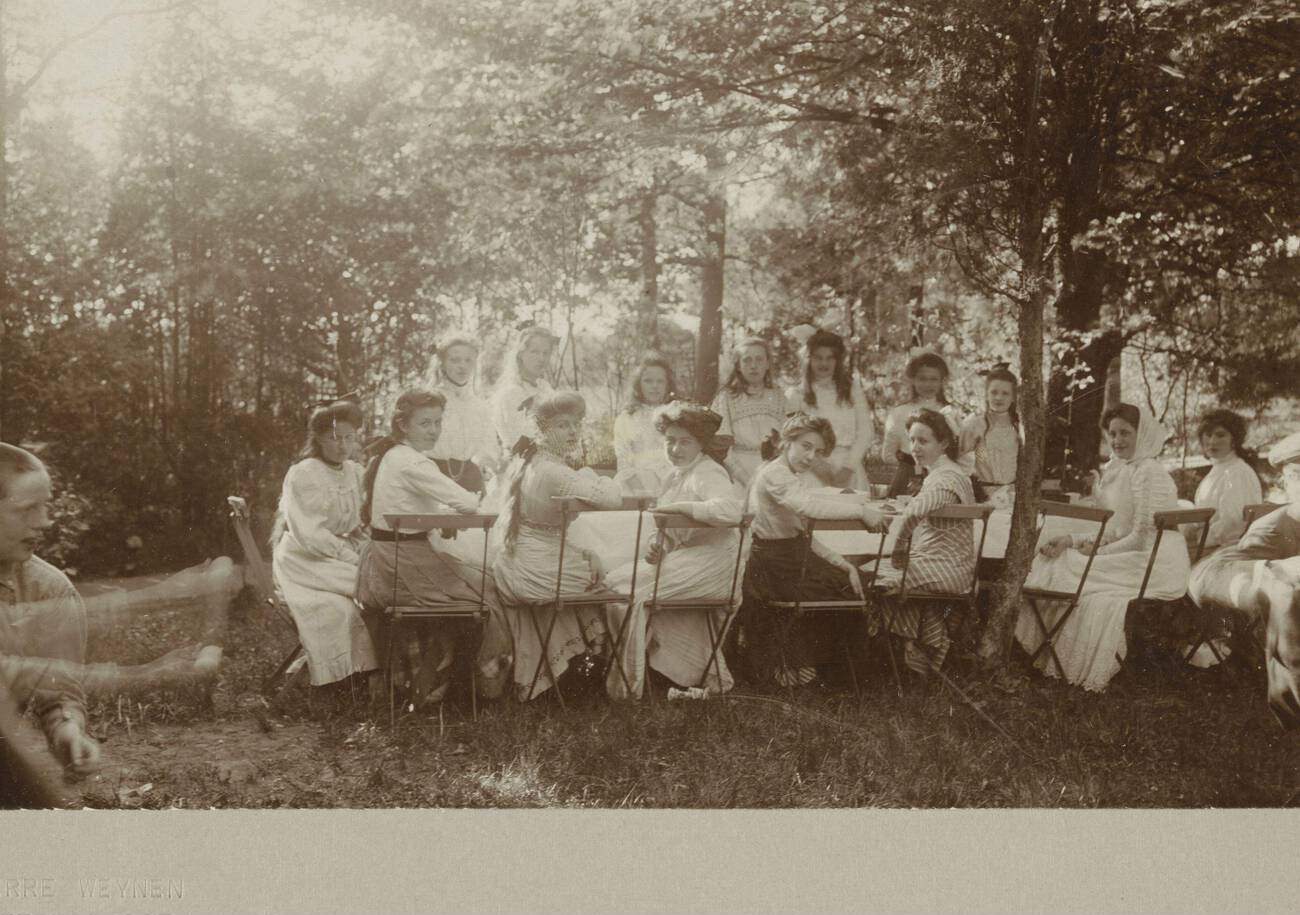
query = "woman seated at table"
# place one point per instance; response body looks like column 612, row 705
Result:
column 1232, row 482
column 939, row 552
column 994, row 437
column 780, row 500
column 830, row 390
column 1134, row 485
column 693, row 563
column 401, row 479
column 467, row 447
column 316, row 544
column 750, row 406
column 529, row 525
column 638, row 445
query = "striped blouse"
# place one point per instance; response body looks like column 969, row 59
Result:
column 942, row 552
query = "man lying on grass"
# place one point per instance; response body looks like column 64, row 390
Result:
column 43, row 620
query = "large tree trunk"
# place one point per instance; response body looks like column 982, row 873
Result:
column 709, row 347
column 648, row 306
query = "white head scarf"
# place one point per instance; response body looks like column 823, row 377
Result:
column 1151, row 438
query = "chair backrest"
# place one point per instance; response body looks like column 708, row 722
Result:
column 1252, row 513
column 1171, row 521
column 259, row 571
column 1100, row 516
column 571, row 506
column 450, row 521
column 679, row 522
column 812, row 525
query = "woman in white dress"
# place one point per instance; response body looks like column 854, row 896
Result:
column 467, row 449
column 638, row 445
column 1134, row 485
column 829, row 390
column 1232, row 482
column 316, row 545
column 927, row 376
column 751, row 407
column 401, row 479
column 993, row 437
column 522, row 383
column 693, row 563
column 528, row 559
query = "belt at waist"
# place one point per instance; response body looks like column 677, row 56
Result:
column 383, row 535
column 772, row 542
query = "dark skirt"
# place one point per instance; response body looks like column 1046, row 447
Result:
column 773, row 636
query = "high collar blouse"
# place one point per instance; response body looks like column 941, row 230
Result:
column 466, row 433
column 1228, row 488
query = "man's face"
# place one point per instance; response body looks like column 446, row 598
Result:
column 24, row 515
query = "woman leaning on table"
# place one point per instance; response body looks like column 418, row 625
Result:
column 401, row 479
column 780, row 498
column 939, row 552
column 693, row 562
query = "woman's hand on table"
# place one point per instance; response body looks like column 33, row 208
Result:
column 1056, row 546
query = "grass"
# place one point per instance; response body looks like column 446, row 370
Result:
column 1181, row 739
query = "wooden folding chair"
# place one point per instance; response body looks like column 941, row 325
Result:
column 1142, row 605
column 258, row 574
column 709, row 606
column 570, row 508
column 792, row 609
column 1252, row 513
column 1071, row 599
column 965, row 598
column 469, row 610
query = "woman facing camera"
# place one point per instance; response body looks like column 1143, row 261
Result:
column 638, row 445
column 317, row 543
column 939, row 552
column 401, row 479
column 829, row 391
column 751, row 407
column 1232, row 482
column 467, row 448
column 927, row 378
column 693, row 562
column 780, row 499
column 522, row 383
column 994, row 437
column 528, row 561
column 1134, row 485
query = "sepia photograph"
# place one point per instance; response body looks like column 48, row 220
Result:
column 655, row 405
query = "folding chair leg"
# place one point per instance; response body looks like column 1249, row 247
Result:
column 1049, row 635
column 886, row 621
column 546, row 656
column 392, row 711
column 284, row 665
column 617, row 649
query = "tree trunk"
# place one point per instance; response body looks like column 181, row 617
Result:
column 712, row 277
column 648, row 308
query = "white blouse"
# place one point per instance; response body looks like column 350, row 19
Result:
column 1228, row 488
column 851, row 422
column 780, row 501
column 1134, row 490
column 466, row 433
column 995, row 450
column 322, row 508
column 639, row 448
column 410, row 483
column 712, row 497
column 509, row 415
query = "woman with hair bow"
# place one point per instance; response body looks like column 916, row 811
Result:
column 529, row 557
column 829, row 390
column 522, row 383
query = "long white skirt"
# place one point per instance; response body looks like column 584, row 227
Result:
column 319, row 592
column 677, row 641
column 1091, row 644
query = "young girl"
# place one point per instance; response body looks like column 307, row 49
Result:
column 467, row 448
column 927, row 376
column 994, row 437
column 521, row 384
column 1231, row 484
column 750, row 406
column 780, row 498
column 829, row 391
column 638, row 447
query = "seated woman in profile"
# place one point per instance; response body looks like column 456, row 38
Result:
column 939, row 552
column 780, row 500
column 1232, row 482
column 529, row 525
column 694, row 563
column 402, row 479
column 638, row 445
column 1134, row 485
column 316, row 543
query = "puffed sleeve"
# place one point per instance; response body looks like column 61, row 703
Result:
column 721, row 406
column 895, row 439
column 306, row 503
column 1238, row 488
column 715, row 498
column 1151, row 487
column 794, row 494
column 930, row 499
column 424, row 476
column 972, row 430
column 584, row 484
column 624, row 435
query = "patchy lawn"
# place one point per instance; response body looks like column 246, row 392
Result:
column 1182, row 739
